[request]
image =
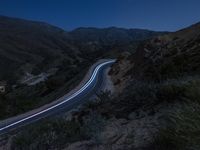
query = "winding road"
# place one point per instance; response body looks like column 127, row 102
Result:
column 93, row 84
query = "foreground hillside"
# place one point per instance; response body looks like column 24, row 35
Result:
column 160, row 86
column 155, row 105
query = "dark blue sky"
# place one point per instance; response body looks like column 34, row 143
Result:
column 168, row 15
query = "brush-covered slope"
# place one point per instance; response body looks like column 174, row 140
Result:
column 33, row 47
column 159, row 87
column 165, row 57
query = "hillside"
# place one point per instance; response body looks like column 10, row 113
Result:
column 160, row 86
column 41, row 62
column 34, row 47
column 37, row 62
column 170, row 56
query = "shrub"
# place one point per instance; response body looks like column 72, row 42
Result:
column 101, row 99
column 145, row 95
column 193, row 91
column 49, row 134
column 183, row 90
column 93, row 126
column 171, row 92
column 182, row 130
column 137, row 95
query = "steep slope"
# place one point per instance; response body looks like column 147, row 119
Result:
column 164, row 57
column 159, row 88
column 38, row 63
column 33, row 47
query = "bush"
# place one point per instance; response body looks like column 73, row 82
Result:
column 171, row 92
column 145, row 95
column 136, row 96
column 93, row 126
column 193, row 91
column 182, row 130
column 101, row 99
column 183, row 90
column 49, row 134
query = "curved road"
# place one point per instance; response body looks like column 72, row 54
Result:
column 92, row 84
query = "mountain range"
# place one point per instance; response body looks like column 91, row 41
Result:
column 35, row 47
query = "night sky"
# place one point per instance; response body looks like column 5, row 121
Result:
column 156, row 15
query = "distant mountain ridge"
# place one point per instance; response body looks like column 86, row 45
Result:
column 109, row 41
column 112, row 34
